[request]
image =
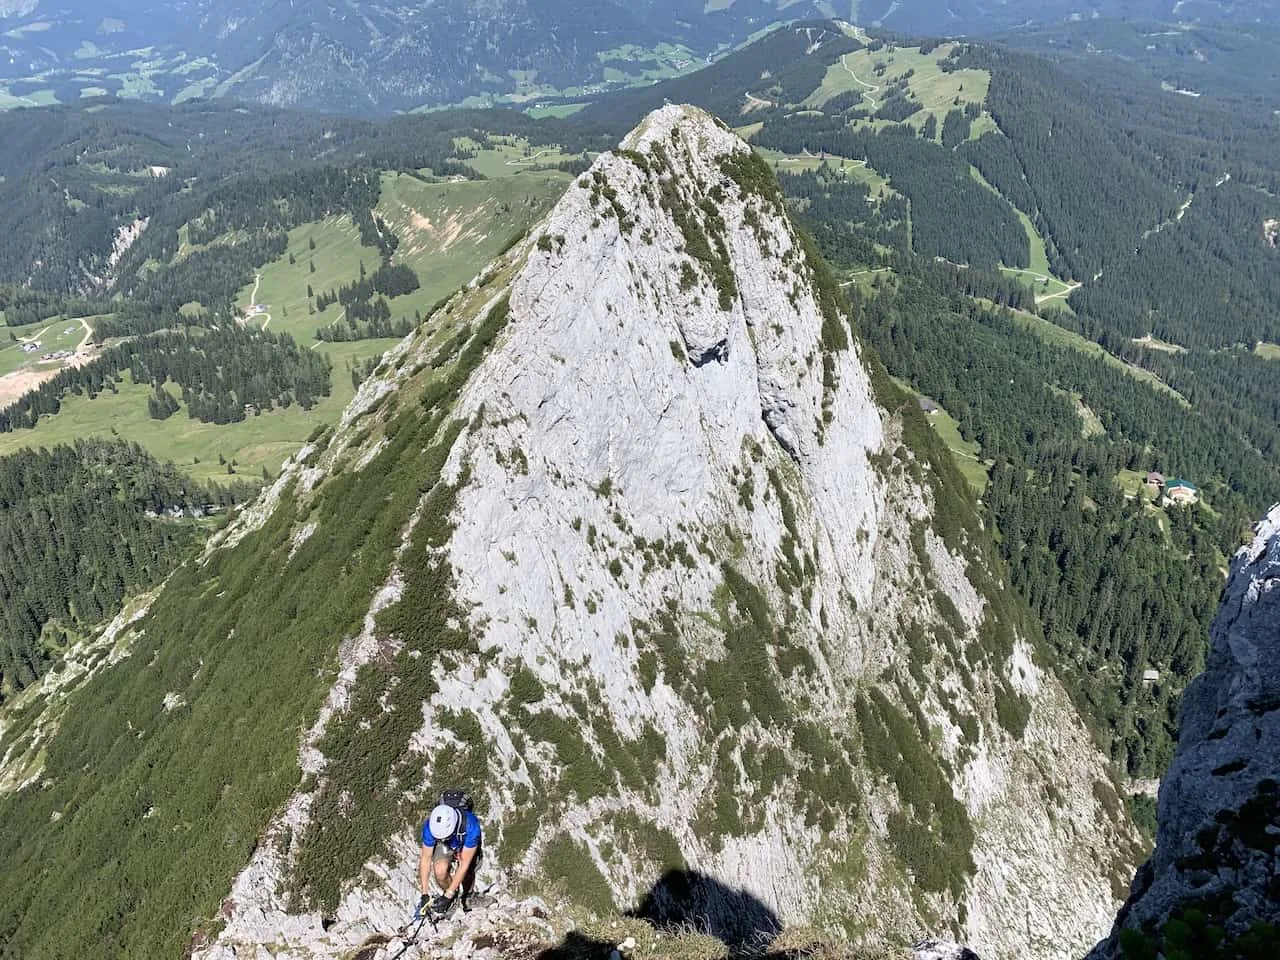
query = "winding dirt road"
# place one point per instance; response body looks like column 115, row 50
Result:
column 253, row 302
column 871, row 87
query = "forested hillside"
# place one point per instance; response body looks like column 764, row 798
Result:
column 936, row 182
column 1155, row 161
column 82, row 527
column 155, row 232
column 1120, row 588
column 71, row 176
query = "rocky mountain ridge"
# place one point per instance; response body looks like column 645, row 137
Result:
column 634, row 537
column 677, row 579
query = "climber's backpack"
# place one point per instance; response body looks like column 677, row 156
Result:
column 460, row 800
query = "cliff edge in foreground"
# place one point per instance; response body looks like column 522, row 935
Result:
column 1215, row 863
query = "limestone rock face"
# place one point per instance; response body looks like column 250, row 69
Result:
column 706, row 604
column 1219, row 804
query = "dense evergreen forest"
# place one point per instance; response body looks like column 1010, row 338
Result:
column 838, row 212
column 234, row 229
column 226, row 374
column 81, row 527
column 1119, row 587
column 24, row 305
column 1094, row 197
column 935, row 181
column 1138, row 164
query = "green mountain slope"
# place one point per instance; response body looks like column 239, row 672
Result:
column 81, row 527
column 189, row 300
column 195, row 258
column 600, row 541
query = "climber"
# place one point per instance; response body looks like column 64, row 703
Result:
column 451, row 853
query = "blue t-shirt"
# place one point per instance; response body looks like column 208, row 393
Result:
column 467, row 834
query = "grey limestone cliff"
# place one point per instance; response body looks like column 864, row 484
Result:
column 715, row 612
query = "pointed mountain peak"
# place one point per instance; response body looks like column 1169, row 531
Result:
column 652, row 600
column 622, row 540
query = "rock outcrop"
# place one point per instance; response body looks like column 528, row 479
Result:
column 1219, row 805
column 941, row 950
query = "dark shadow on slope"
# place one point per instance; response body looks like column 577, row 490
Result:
column 575, row 946
column 686, row 901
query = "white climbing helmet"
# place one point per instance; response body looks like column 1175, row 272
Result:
column 443, row 822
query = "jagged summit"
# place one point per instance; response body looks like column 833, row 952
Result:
column 631, row 538
column 1219, row 807
column 695, row 600
column 665, row 353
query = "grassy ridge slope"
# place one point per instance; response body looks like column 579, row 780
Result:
column 166, row 770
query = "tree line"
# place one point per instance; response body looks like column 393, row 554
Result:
column 952, row 215
column 22, row 306
column 848, row 224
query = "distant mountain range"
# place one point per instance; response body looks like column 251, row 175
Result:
column 352, row 56
column 361, row 56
